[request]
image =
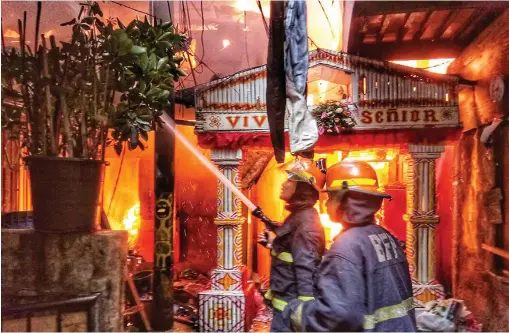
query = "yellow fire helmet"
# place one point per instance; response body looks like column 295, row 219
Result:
column 356, row 176
column 305, row 170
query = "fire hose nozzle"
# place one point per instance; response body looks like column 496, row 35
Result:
column 271, row 225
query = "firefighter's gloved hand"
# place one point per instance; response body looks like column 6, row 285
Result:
column 258, row 213
column 268, row 222
column 266, row 238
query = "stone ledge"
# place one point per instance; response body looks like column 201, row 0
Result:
column 39, row 265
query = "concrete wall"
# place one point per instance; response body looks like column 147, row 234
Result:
column 476, row 168
column 37, row 267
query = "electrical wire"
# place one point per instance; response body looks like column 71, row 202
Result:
column 131, row 8
column 258, row 2
column 328, row 21
column 245, row 39
column 437, row 65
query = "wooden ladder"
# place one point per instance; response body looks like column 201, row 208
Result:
column 138, row 308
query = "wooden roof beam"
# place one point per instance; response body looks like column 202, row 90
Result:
column 379, row 35
column 402, row 30
column 422, row 49
column 356, row 37
column 475, row 15
column 481, row 24
column 444, row 25
column 348, row 23
column 373, row 8
column 423, row 26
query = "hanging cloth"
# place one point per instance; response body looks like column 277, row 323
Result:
column 275, row 93
column 302, row 126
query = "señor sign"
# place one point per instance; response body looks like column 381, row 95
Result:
column 367, row 119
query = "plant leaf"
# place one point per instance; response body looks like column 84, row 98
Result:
column 144, row 135
column 164, row 94
column 143, row 86
column 162, row 62
column 96, row 9
column 120, row 24
column 181, row 72
column 165, row 36
column 136, row 50
column 88, row 20
column 71, row 22
column 152, row 62
column 118, row 147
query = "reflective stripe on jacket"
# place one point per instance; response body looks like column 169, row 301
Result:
column 296, row 253
column 363, row 284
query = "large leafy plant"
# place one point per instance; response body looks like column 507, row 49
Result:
column 63, row 100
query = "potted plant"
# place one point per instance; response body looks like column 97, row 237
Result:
column 66, row 103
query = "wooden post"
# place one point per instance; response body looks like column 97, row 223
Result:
column 162, row 317
column 162, row 309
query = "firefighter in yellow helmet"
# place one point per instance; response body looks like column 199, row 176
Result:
column 299, row 242
column 363, row 282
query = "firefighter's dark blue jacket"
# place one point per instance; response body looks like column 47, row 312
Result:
column 296, row 253
column 363, row 282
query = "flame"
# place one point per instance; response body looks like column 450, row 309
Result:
column 226, row 43
column 192, row 57
column 332, row 229
column 432, row 65
column 48, row 33
column 252, row 6
column 132, row 223
column 325, row 25
column 11, row 34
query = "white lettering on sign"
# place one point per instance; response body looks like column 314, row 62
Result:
column 408, row 117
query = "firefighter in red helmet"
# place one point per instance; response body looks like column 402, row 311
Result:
column 299, row 242
column 363, row 282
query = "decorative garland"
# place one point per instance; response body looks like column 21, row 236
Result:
column 334, row 117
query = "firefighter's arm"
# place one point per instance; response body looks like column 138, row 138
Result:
column 339, row 303
column 306, row 253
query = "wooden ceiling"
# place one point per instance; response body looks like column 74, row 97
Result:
column 412, row 30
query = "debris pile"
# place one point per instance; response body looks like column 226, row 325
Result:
column 450, row 315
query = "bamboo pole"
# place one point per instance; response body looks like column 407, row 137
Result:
column 48, row 116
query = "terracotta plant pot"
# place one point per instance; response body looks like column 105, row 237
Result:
column 65, row 193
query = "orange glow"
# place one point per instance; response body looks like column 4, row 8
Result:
column 11, row 34
column 251, row 6
column 447, row 97
column 267, row 191
column 325, row 31
column 322, row 86
column 332, row 229
column 132, row 224
column 325, row 25
column 192, row 52
column 432, row 65
column 226, row 43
